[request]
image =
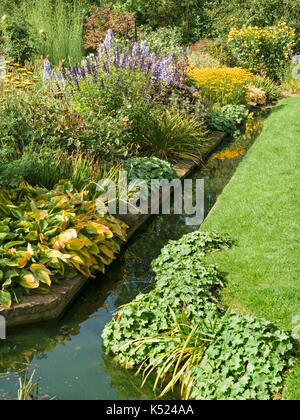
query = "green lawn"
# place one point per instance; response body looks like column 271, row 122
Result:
column 260, row 208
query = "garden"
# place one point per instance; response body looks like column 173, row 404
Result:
column 111, row 306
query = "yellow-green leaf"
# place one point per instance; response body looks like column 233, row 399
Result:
column 29, row 281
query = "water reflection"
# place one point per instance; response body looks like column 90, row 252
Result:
column 68, row 353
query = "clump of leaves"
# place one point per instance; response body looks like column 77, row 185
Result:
column 46, row 236
column 229, row 118
column 174, row 137
column 149, row 168
column 181, row 332
column 187, row 284
column 246, row 361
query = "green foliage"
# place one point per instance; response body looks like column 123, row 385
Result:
column 225, row 14
column 189, row 15
column 53, row 124
column 183, row 282
column 49, row 235
column 263, row 50
column 162, row 39
column 148, row 169
column 173, row 137
column 228, row 118
column 220, row 51
column 245, row 362
column 288, row 80
column 267, row 85
column 16, row 39
column 46, row 167
column 180, row 331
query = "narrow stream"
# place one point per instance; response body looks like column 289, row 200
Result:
column 68, row 355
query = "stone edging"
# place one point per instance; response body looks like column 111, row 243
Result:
column 39, row 308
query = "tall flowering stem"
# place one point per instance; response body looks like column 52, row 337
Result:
column 161, row 70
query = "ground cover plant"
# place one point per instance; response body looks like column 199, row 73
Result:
column 180, row 331
column 229, row 118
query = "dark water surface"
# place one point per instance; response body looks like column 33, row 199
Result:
column 67, row 355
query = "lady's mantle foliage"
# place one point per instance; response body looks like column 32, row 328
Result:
column 241, row 357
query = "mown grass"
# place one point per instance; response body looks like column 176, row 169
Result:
column 260, row 209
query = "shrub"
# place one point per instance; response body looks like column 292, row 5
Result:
column 46, row 236
column 100, row 21
column 226, row 14
column 167, row 39
column 263, row 50
column 229, row 118
column 202, row 60
column 53, row 124
column 17, row 39
column 220, row 50
column 222, row 85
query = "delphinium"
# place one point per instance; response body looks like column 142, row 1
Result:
column 110, row 59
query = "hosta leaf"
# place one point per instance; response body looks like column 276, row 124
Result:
column 5, row 262
column 106, row 260
column 85, row 239
column 11, row 273
column 7, row 283
column 24, row 257
column 32, row 236
column 118, row 230
column 43, row 289
column 59, row 201
column 13, row 244
column 75, row 244
column 5, row 299
column 29, row 281
column 4, row 228
column 65, row 237
column 39, row 214
column 107, row 251
column 94, row 249
column 41, row 273
column 16, row 211
column 3, row 236
column 94, row 228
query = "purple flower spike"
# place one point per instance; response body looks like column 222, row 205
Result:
column 47, row 70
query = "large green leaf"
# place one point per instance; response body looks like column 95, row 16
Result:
column 5, row 299
column 29, row 281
